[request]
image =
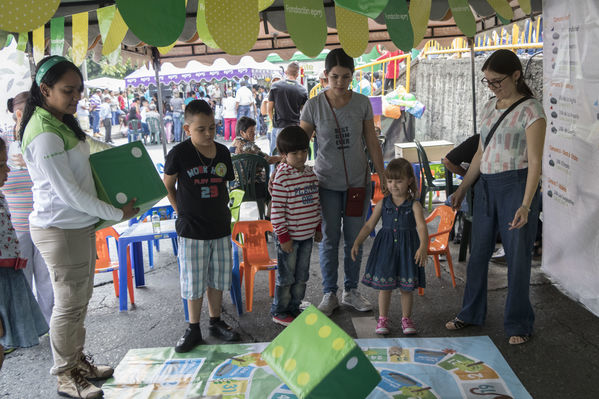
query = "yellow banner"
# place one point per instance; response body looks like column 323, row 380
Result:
column 26, row 15
column 353, row 31
column 79, row 30
column 420, row 12
column 38, row 44
column 116, row 34
column 233, row 24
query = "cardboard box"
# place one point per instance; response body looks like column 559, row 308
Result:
column 317, row 359
column 123, row 173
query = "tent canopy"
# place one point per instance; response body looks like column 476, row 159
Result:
column 196, row 72
column 111, row 84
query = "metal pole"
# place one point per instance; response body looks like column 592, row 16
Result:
column 156, row 60
column 471, row 44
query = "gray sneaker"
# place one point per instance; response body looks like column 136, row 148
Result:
column 329, row 303
column 354, row 299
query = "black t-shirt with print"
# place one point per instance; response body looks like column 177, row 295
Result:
column 202, row 194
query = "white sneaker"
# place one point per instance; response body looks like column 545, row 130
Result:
column 354, row 299
column 329, row 303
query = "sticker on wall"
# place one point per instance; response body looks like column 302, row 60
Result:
column 152, row 22
column 233, row 24
column 26, row 15
column 201, row 26
column 116, row 34
column 79, row 30
column 502, row 8
column 398, row 23
column 38, row 44
column 370, row 8
column 353, row 31
column 462, row 15
column 420, row 12
column 525, row 6
column 307, row 25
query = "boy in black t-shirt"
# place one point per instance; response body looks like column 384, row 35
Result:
column 196, row 172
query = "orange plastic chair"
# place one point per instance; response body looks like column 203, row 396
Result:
column 439, row 241
column 255, row 255
column 105, row 264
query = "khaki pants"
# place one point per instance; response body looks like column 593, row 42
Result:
column 71, row 258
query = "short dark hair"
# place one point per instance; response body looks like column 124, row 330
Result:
column 243, row 124
column 292, row 138
column 338, row 57
column 197, row 107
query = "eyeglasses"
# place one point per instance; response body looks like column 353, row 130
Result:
column 494, row 83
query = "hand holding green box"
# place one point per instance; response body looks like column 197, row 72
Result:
column 123, row 173
column 317, row 359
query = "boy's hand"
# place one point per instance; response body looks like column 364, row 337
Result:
column 287, row 246
column 421, row 256
column 354, row 251
column 129, row 210
column 318, row 236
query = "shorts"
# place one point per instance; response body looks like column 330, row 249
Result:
column 203, row 264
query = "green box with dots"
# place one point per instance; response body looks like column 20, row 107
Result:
column 318, row 360
column 123, row 173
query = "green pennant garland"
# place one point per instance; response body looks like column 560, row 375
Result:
column 4, row 36
column 57, row 36
column 202, row 27
column 398, row 23
column 22, row 42
column 105, row 18
column 307, row 25
column 420, row 12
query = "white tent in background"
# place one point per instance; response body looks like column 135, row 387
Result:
column 111, row 84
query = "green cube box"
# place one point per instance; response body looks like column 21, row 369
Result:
column 123, row 173
column 317, row 359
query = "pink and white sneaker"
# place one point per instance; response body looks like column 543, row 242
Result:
column 382, row 326
column 407, row 326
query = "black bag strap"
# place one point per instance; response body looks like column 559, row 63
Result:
column 501, row 118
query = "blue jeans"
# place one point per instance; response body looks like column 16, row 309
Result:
column 95, row 121
column 273, row 138
column 332, row 206
column 177, row 125
column 244, row 110
column 496, row 198
column 293, row 271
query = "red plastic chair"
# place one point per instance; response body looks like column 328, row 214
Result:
column 105, row 264
column 439, row 241
column 255, row 255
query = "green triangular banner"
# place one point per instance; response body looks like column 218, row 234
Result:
column 370, row 8
column 462, row 15
column 4, row 36
column 307, row 25
column 22, row 42
column 57, row 36
column 105, row 17
column 398, row 23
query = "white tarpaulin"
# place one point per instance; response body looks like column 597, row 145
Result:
column 571, row 156
column 15, row 77
column 111, row 84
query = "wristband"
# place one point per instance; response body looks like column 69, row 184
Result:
column 525, row 207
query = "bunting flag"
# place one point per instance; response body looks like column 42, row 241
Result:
column 233, row 24
column 57, row 36
column 525, row 6
column 153, row 22
column 420, row 12
column 38, row 44
column 370, row 8
column 353, row 31
column 26, row 15
column 502, row 8
column 264, row 4
column 22, row 42
column 462, row 15
column 399, row 25
column 307, row 25
column 79, row 31
column 105, row 18
column 4, row 39
column 201, row 26
column 116, row 34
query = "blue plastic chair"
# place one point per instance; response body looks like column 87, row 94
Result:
column 165, row 212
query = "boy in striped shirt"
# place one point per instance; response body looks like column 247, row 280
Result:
column 295, row 215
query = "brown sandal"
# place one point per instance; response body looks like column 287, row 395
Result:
column 456, row 324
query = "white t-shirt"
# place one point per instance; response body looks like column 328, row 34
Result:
column 229, row 110
column 244, row 96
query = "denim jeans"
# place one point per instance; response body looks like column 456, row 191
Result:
column 497, row 198
column 334, row 221
column 177, row 125
column 293, row 271
column 273, row 138
column 245, row 110
column 95, row 121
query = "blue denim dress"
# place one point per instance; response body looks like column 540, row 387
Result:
column 391, row 262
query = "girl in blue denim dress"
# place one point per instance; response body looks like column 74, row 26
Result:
column 399, row 251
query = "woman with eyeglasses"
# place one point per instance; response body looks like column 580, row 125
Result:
column 508, row 167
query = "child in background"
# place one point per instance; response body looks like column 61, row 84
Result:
column 399, row 251
column 196, row 172
column 296, row 222
column 20, row 315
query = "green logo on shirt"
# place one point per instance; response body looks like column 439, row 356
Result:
column 220, row 169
